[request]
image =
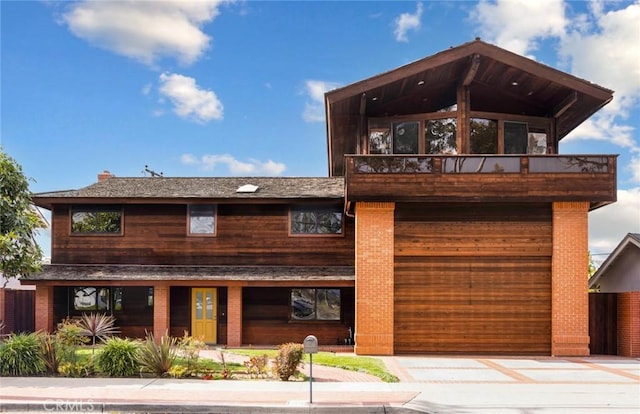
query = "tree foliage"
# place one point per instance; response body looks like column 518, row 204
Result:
column 19, row 252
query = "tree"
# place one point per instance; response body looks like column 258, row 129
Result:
column 20, row 255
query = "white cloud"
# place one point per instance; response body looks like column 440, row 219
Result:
column 599, row 49
column 516, row 25
column 603, row 127
column 189, row 101
column 144, row 30
column 604, row 51
column 406, row 22
column 314, row 107
column 608, row 225
column 209, row 162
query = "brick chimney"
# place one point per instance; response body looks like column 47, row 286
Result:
column 104, row 175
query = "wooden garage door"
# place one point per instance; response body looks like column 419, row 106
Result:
column 473, row 279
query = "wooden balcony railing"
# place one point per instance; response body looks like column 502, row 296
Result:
column 508, row 178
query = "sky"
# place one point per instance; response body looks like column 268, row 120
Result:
column 235, row 88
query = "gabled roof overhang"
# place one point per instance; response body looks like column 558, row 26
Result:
column 498, row 81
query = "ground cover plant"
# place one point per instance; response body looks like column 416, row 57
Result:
column 369, row 365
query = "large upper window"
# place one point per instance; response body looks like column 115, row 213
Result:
column 405, row 137
column 315, row 304
column 402, row 138
column 96, row 220
column 484, row 136
column 316, row 220
column 440, row 136
column 202, row 219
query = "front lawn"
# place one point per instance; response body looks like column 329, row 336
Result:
column 369, row 365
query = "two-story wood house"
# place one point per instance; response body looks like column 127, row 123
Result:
column 448, row 223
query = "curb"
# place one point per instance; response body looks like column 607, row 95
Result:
column 98, row 407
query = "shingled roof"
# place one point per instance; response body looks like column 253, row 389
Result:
column 210, row 188
column 88, row 273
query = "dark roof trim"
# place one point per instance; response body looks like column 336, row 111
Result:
column 458, row 52
column 631, row 239
column 56, row 272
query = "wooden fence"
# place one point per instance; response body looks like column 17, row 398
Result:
column 603, row 326
column 18, row 310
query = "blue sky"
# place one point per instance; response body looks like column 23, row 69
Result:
column 224, row 88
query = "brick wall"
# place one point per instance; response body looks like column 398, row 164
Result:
column 629, row 324
column 160, row 311
column 44, row 308
column 234, row 316
column 569, row 282
column 374, row 278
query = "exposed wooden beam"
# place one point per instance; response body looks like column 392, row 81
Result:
column 566, row 103
column 471, row 70
column 362, row 124
column 363, row 104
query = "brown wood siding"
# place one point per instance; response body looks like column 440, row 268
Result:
column 266, row 320
column 603, row 323
column 516, row 186
column 473, row 279
column 157, row 234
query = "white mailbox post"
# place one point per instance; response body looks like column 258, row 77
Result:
column 310, row 346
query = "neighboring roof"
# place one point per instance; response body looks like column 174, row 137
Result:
column 85, row 273
column 145, row 189
column 498, row 80
column 631, row 239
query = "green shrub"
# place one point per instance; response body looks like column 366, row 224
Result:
column 285, row 364
column 69, row 337
column 21, row 355
column 50, row 355
column 158, row 357
column 98, row 326
column 119, row 358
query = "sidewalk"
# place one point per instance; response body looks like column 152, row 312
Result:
column 428, row 384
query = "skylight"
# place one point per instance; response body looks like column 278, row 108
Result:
column 247, row 188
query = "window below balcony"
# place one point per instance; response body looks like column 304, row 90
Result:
column 315, row 304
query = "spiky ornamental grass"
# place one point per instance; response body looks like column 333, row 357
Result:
column 157, row 357
column 98, row 326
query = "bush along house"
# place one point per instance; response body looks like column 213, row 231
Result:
column 448, row 223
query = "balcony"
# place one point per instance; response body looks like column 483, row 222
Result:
column 481, row 178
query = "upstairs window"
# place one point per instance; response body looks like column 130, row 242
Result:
column 484, row 136
column 402, row 138
column 96, row 220
column 515, row 138
column 406, row 137
column 440, row 135
column 315, row 304
column 202, row 219
column 316, row 220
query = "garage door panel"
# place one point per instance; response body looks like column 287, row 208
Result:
column 473, row 285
